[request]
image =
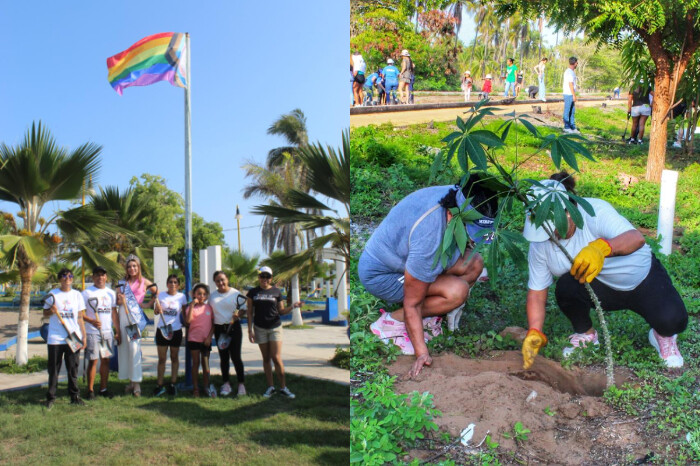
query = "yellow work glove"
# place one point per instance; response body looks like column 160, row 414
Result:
column 589, row 261
column 531, row 346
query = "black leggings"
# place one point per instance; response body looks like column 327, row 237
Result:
column 233, row 351
column 655, row 299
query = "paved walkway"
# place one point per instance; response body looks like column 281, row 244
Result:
column 305, row 352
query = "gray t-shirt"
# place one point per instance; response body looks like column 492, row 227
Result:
column 408, row 238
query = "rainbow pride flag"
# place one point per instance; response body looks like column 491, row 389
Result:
column 160, row 57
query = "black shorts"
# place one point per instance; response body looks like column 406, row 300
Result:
column 360, row 78
column 198, row 346
column 174, row 342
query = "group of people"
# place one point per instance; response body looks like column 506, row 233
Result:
column 399, row 265
column 386, row 81
column 99, row 317
column 513, row 82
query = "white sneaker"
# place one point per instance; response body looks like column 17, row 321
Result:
column 580, row 340
column 568, row 130
column 667, row 349
column 575, row 131
column 453, row 318
column 241, row 390
column 211, row 391
column 268, row 393
column 677, row 145
column 285, row 391
column 225, row 389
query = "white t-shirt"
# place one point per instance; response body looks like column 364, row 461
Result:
column 224, row 305
column 621, row 273
column 358, row 64
column 106, row 301
column 171, row 305
column 69, row 305
column 569, row 77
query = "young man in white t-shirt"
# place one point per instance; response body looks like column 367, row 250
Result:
column 569, row 90
column 611, row 255
column 100, row 316
column 69, row 304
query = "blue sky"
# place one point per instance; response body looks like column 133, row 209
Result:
column 251, row 63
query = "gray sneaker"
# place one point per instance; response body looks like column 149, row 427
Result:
column 285, row 391
column 268, row 393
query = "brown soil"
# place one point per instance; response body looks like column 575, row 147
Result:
column 492, row 393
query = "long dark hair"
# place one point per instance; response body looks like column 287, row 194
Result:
column 484, row 199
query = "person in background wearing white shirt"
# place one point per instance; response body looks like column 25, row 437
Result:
column 99, row 325
column 359, row 67
column 570, row 89
column 70, row 304
column 539, row 69
column 611, row 255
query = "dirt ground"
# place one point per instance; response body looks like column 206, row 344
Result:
column 495, row 393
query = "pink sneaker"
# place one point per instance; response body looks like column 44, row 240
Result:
column 580, row 340
column 432, row 326
column 667, row 349
column 404, row 343
column 387, row 327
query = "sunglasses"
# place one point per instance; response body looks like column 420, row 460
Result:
column 264, row 275
column 65, row 275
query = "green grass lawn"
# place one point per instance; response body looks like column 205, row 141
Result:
column 311, row 429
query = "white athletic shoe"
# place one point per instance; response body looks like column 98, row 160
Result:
column 667, row 349
column 453, row 318
column 225, row 389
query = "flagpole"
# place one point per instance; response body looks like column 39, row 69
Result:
column 188, row 200
column 238, row 222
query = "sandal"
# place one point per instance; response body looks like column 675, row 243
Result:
column 129, row 388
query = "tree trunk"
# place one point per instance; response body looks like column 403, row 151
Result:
column 296, row 312
column 21, row 358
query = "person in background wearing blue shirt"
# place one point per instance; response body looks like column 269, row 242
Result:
column 391, row 78
column 370, row 83
column 379, row 84
column 398, row 262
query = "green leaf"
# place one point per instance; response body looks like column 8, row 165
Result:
column 451, row 137
column 476, row 153
column 449, row 235
column 487, row 138
column 461, row 124
column 507, row 126
column 470, row 215
column 461, row 237
column 8, row 242
column 530, row 127
column 513, row 251
column 585, row 205
column 34, row 248
column 555, row 154
column 560, row 220
column 573, row 211
column 462, row 154
column 436, row 166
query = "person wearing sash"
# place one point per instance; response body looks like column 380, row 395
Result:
column 398, row 264
column 224, row 302
column 130, row 351
column 172, row 303
column 99, row 328
column 69, row 304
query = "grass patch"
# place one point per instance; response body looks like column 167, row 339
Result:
column 35, row 364
column 341, row 358
column 297, row 327
column 311, row 429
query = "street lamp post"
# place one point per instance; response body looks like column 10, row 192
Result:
column 238, row 223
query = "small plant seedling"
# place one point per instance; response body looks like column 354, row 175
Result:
column 445, row 437
column 548, row 411
column 490, row 443
column 519, row 432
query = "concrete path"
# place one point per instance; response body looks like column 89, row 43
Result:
column 305, row 352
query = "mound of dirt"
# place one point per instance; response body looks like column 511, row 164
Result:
column 496, row 393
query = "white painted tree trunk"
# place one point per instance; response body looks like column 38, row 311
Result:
column 22, row 357
column 342, row 286
column 296, row 312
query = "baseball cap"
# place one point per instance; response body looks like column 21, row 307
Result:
column 481, row 230
column 98, row 269
column 404, row 53
column 538, row 234
column 390, row 61
column 265, row 269
column 488, row 76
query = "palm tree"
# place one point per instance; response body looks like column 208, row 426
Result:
column 33, row 173
column 328, row 174
column 241, row 268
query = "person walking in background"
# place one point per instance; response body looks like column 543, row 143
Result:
column 639, row 108
column 227, row 321
column 172, row 304
column 539, row 69
column 69, row 304
column 391, row 79
column 200, row 321
column 100, row 314
column 265, row 305
column 405, row 76
column 467, row 85
column 569, row 90
column 511, row 69
column 616, row 92
column 486, row 88
column 358, row 72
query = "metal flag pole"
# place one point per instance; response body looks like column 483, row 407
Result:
column 238, row 222
column 188, row 200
